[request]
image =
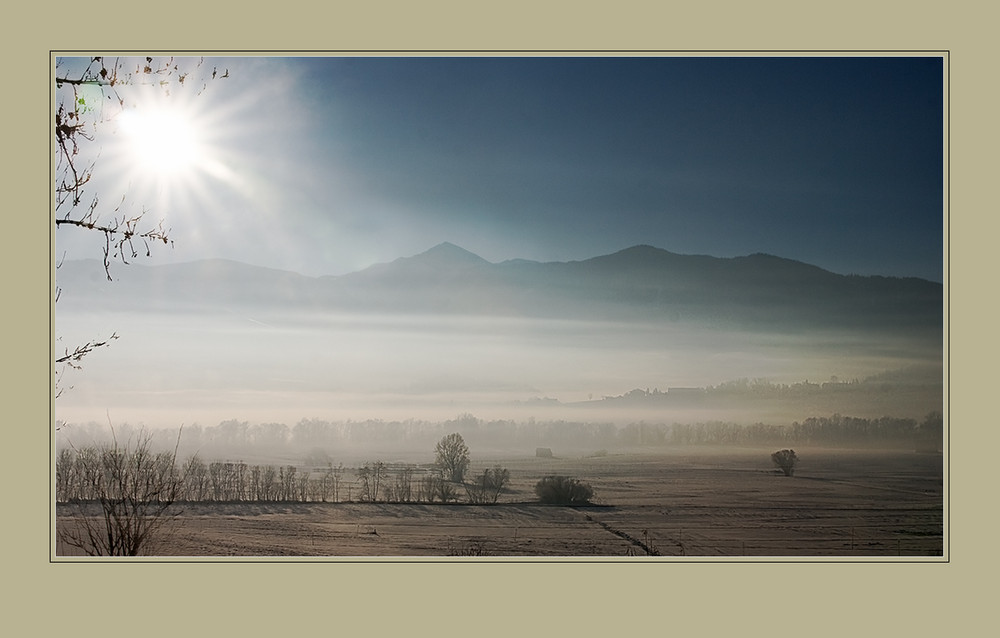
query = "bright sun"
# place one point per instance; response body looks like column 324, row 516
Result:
column 164, row 155
column 170, row 153
column 162, row 143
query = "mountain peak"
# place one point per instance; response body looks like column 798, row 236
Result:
column 642, row 251
column 449, row 252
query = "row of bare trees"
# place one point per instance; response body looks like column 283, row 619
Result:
column 377, row 482
column 115, row 499
column 81, row 476
column 229, row 481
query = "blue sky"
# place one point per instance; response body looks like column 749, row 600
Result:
column 330, row 164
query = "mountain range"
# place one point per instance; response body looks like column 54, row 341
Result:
column 642, row 283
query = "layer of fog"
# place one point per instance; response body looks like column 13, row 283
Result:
column 165, row 370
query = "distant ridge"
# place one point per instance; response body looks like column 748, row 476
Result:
column 640, row 283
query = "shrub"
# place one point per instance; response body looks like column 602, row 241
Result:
column 563, row 490
column 786, row 460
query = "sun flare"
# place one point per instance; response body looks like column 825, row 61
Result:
column 166, row 154
column 161, row 142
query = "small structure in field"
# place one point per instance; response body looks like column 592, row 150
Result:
column 543, row 452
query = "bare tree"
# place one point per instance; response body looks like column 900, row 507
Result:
column 371, row 476
column 326, row 487
column 319, row 489
column 123, row 500
column 304, row 486
column 91, row 93
column 435, row 486
column 286, row 483
column 240, row 480
column 425, row 488
column 404, row 484
column 497, row 482
column 66, row 482
column 486, row 487
column 337, row 474
column 268, row 489
column 195, row 479
column 217, row 480
column 452, row 457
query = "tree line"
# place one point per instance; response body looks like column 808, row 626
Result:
column 123, row 492
column 105, row 472
column 835, row 430
column 313, row 437
column 85, row 475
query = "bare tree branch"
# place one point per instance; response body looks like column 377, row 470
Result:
column 72, row 359
column 91, row 92
column 119, row 235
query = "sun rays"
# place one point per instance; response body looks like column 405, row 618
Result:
column 161, row 142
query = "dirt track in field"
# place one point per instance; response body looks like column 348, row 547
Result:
column 684, row 502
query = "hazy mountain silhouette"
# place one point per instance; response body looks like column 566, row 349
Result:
column 639, row 283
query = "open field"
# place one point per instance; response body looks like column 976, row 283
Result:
column 683, row 501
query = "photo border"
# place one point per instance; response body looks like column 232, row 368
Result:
column 916, row 600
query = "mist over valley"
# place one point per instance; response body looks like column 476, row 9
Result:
column 446, row 332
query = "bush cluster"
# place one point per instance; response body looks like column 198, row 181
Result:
column 563, row 490
column 786, row 460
